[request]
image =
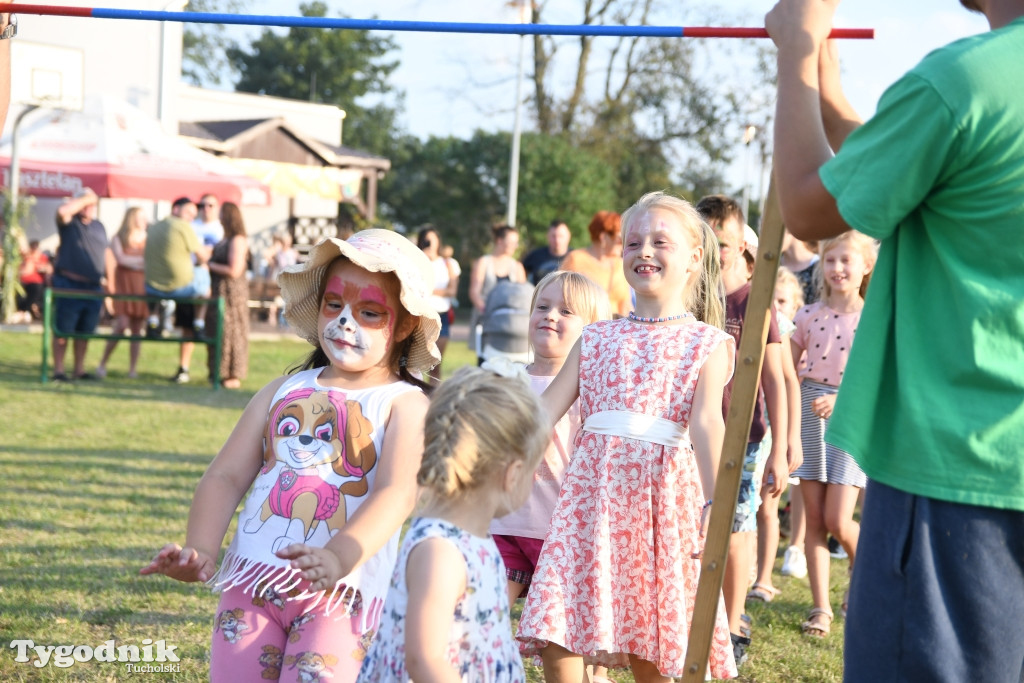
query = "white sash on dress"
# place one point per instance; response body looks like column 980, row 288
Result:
column 638, row 426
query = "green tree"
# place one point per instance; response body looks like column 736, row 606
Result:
column 647, row 106
column 328, row 66
column 204, row 45
column 560, row 179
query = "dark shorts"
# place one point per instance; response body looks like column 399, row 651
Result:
column 520, row 555
column 446, row 326
column 76, row 315
column 33, row 296
column 937, row 592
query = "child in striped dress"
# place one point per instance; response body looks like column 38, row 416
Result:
column 830, row 479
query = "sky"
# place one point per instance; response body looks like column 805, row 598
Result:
column 457, row 83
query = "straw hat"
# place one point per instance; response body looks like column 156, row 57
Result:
column 378, row 251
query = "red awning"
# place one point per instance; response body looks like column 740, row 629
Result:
column 119, row 152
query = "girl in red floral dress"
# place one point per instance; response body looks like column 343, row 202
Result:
column 617, row 577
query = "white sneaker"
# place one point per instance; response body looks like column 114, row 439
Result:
column 794, row 563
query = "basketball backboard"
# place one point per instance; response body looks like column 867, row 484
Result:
column 46, row 75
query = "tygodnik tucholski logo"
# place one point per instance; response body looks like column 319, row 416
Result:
column 151, row 656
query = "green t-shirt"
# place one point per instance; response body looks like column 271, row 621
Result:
column 170, row 244
column 932, row 401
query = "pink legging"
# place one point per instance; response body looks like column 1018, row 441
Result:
column 273, row 638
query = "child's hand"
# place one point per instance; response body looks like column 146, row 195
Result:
column 776, row 472
column 183, row 564
column 319, row 566
column 705, row 518
column 795, row 455
column 823, row 406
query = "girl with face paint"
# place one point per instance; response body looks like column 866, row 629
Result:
column 329, row 455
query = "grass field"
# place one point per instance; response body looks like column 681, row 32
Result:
column 98, row 475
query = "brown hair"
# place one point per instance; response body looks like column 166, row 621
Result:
column 716, row 209
column 231, row 219
column 126, row 225
column 499, row 232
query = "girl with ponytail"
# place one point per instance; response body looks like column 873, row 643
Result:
column 446, row 616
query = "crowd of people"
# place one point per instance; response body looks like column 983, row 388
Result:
column 572, row 528
column 582, row 480
column 629, row 422
column 149, row 279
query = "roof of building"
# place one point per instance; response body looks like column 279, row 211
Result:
column 227, row 137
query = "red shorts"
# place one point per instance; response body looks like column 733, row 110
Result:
column 520, row 555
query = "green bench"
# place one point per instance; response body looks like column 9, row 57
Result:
column 214, row 343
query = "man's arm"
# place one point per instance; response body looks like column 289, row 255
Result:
column 838, row 115
column 72, row 207
column 203, row 254
column 799, row 29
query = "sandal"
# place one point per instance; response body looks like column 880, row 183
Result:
column 818, row 624
column 762, row 593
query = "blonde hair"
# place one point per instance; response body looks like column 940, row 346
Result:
column 705, row 294
column 868, row 249
column 126, row 224
column 478, row 423
column 585, row 297
column 784, row 278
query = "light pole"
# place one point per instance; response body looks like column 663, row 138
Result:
column 525, row 15
column 15, row 182
column 13, row 233
column 163, row 96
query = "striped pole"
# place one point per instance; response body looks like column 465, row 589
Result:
column 414, row 26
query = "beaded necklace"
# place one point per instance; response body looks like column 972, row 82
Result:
column 639, row 319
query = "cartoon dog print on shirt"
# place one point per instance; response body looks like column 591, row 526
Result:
column 321, row 440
